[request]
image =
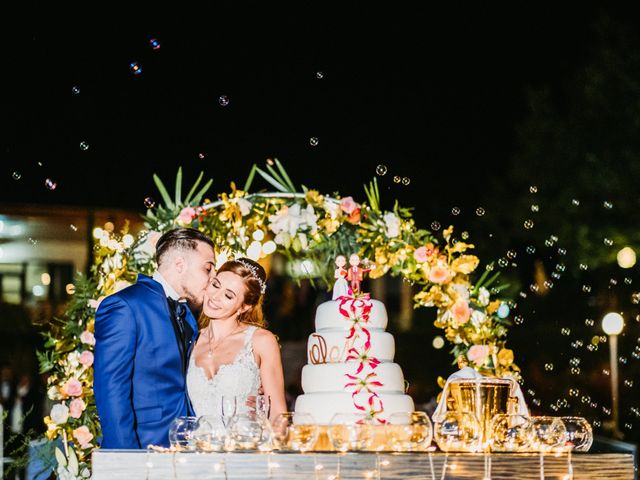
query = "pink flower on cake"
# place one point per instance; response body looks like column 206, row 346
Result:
column 364, row 359
column 420, row 255
column 461, row 312
column 88, row 338
column 76, row 407
column 84, row 436
column 348, row 206
column 478, row 354
column 187, row 214
column 72, row 388
column 86, row 358
column 360, row 384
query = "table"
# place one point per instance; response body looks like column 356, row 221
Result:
column 143, row 465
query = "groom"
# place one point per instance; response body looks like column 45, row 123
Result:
column 144, row 336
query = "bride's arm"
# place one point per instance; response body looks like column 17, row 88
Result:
column 267, row 349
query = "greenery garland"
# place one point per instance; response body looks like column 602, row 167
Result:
column 301, row 224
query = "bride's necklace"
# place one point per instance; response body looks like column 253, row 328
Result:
column 210, row 352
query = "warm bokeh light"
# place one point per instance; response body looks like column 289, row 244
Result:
column 612, row 323
column 438, row 342
column 70, row 288
column 128, row 240
column 97, row 233
column 269, row 247
column 45, row 278
column 626, row 257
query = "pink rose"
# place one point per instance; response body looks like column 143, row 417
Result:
column 460, row 311
column 348, row 205
column 76, row 407
column 478, row 354
column 84, row 436
column 88, row 338
column 73, row 388
column 187, row 214
column 421, row 255
column 439, row 274
column 86, row 358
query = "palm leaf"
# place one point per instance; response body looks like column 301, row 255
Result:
column 286, row 178
column 179, row 186
column 193, row 189
column 252, row 173
column 203, row 190
column 271, row 180
column 163, row 191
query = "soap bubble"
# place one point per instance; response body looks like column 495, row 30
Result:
column 75, row 90
column 50, row 184
column 480, row 211
column 319, row 75
column 455, row 211
column 575, row 202
column 396, row 179
column 435, row 225
column 223, row 100
column 548, row 367
column 16, row 175
column 313, row 141
column 381, row 170
column 149, row 202
column 533, row 189
column 155, row 43
column 531, row 249
column 535, row 208
column 607, row 205
column 528, row 224
column 84, row 146
column 135, row 68
column 406, row 181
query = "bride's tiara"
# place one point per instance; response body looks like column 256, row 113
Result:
column 254, row 274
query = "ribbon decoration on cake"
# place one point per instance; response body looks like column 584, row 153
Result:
column 364, row 380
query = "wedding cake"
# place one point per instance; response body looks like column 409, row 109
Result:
column 350, row 363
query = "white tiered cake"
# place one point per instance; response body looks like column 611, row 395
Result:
column 350, row 363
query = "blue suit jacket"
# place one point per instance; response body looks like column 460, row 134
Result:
column 139, row 383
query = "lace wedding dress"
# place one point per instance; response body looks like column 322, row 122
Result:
column 239, row 378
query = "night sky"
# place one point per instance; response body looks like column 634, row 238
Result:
column 434, row 94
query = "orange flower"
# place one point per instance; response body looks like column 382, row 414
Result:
column 439, row 274
column 461, row 312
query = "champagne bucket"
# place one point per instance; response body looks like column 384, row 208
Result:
column 484, row 397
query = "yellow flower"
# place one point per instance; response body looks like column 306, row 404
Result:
column 329, row 225
column 505, row 357
column 493, row 306
column 465, row 264
column 314, row 198
column 446, row 234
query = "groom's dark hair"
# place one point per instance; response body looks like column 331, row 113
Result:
column 180, row 239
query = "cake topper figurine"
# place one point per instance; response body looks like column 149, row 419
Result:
column 340, row 287
column 355, row 274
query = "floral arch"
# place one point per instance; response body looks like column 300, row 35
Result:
column 299, row 223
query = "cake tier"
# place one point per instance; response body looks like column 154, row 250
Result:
column 333, row 346
column 323, row 406
column 331, row 377
column 328, row 316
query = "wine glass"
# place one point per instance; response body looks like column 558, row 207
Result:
column 210, row 434
column 350, row 431
column 509, row 433
column 457, row 431
column 578, row 434
column 249, row 431
column 547, row 433
column 228, row 408
column 295, row 431
column 409, row 431
column 181, row 433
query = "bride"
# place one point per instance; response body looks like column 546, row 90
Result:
column 234, row 355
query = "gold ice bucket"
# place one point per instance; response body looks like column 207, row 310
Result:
column 484, row 397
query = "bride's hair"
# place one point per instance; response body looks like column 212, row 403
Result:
column 255, row 279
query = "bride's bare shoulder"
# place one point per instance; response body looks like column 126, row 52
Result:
column 264, row 339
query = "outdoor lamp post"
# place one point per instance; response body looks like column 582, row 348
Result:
column 612, row 324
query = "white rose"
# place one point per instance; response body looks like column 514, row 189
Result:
column 483, row 296
column 244, row 205
column 392, row 224
column 73, row 359
column 53, row 393
column 332, row 208
column 59, row 413
column 478, row 318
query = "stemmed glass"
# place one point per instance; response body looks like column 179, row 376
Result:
column 509, row 433
column 350, row 431
column 295, row 431
column 457, row 431
column 249, row 431
column 263, row 405
column 228, row 408
column 181, row 433
column 578, row 433
column 409, row 431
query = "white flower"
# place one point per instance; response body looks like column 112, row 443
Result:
column 244, row 205
column 478, row 318
column 283, row 238
column 457, row 340
column 483, row 296
column 304, row 243
column 392, row 224
column 73, row 359
column 148, row 247
column 53, row 393
column 293, row 218
column 59, row 413
column 462, row 291
column 332, row 208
